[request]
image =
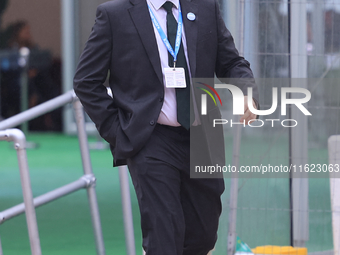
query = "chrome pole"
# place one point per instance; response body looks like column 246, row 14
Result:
column 91, row 192
column 24, row 54
column 127, row 210
column 18, row 137
column 237, row 134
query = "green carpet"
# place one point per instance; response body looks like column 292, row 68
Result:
column 65, row 225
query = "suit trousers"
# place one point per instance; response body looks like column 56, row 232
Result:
column 179, row 215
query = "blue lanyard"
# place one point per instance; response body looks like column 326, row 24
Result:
column 164, row 37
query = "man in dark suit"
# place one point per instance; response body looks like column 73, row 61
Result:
column 148, row 120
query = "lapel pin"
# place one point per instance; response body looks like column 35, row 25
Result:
column 191, row 16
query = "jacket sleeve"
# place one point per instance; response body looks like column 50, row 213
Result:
column 229, row 63
column 90, row 75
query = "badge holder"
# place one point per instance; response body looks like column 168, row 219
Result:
column 174, row 77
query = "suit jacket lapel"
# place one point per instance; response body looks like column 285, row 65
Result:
column 190, row 28
column 140, row 15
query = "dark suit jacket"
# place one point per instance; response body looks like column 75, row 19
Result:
column 123, row 42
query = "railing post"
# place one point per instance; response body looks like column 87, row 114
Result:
column 23, row 62
column 127, row 211
column 1, row 253
column 18, row 137
column 334, row 159
column 91, row 192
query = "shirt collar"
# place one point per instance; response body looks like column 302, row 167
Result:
column 157, row 4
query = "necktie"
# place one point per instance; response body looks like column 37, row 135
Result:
column 184, row 115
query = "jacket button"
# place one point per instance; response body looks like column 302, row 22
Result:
column 161, row 99
column 152, row 122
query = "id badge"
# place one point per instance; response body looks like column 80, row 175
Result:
column 175, row 77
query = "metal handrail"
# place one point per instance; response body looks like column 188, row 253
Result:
column 38, row 110
column 18, row 137
column 87, row 181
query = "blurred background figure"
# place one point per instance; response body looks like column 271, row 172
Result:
column 42, row 83
column 19, row 35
